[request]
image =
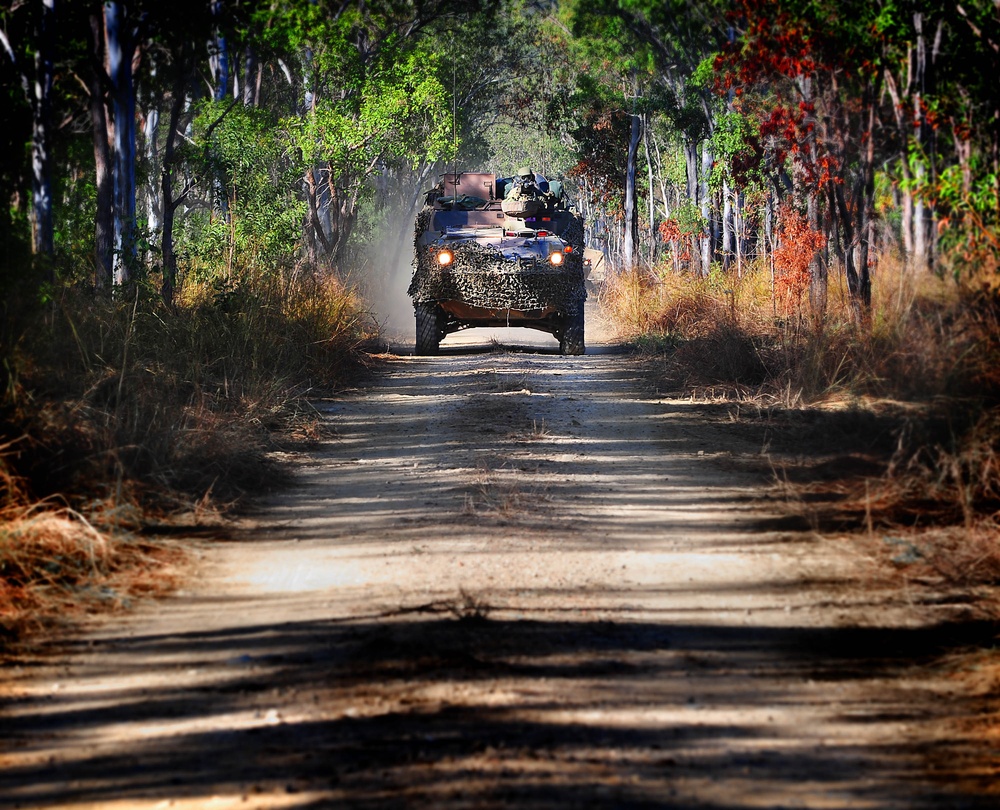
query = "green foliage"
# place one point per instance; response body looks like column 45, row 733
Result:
column 689, row 218
column 75, row 195
column 969, row 200
column 510, row 146
column 736, row 147
column 671, row 151
column 242, row 156
column 703, row 77
column 401, row 111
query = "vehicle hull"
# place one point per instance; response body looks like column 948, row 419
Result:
column 483, row 268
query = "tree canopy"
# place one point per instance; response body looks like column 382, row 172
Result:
column 163, row 140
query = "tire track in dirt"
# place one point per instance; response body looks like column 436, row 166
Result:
column 512, row 579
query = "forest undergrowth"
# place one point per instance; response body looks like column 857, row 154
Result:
column 124, row 421
column 886, row 424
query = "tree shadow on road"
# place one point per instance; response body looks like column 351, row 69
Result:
column 464, row 710
column 482, row 687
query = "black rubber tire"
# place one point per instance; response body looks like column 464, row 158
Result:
column 571, row 339
column 428, row 328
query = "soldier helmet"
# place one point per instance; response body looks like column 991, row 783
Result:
column 524, row 171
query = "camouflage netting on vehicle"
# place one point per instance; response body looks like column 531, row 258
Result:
column 573, row 233
column 423, row 223
column 481, row 277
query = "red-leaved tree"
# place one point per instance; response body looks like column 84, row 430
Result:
column 810, row 70
column 798, row 243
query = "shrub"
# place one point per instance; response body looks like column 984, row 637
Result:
column 123, row 399
column 122, row 412
column 928, row 343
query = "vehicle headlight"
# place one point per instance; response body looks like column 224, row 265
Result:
column 445, row 257
column 556, row 258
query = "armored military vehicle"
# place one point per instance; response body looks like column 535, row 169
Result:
column 498, row 251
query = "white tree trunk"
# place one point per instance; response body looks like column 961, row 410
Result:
column 707, row 160
column 739, row 225
column 652, row 192
column 219, row 60
column 38, row 89
column 691, row 170
column 631, row 197
column 727, row 225
column 154, row 205
column 119, row 50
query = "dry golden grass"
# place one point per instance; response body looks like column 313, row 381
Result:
column 924, row 336
column 124, row 400
column 925, row 362
column 55, row 566
column 122, row 411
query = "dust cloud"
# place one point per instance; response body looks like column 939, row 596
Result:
column 385, row 288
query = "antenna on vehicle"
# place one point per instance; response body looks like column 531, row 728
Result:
column 454, row 124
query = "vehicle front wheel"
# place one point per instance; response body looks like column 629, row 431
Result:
column 571, row 339
column 428, row 327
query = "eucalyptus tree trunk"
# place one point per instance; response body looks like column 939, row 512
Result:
column 36, row 81
column 904, row 128
column 103, row 161
column 252, row 76
column 920, row 235
column 924, row 81
column 631, row 208
column 740, row 226
column 661, row 182
column 691, row 170
column 171, row 203
column 219, row 60
column 707, row 161
column 652, row 192
column 41, row 134
column 854, row 218
column 218, row 65
column 770, row 236
column 819, row 280
column 120, row 44
column 728, row 237
column 865, row 207
column 151, row 190
column 917, row 144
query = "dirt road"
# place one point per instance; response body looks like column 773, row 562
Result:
column 512, row 580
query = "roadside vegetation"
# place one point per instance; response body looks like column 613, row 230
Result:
column 799, row 203
column 821, row 250
column 888, row 425
column 125, row 420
